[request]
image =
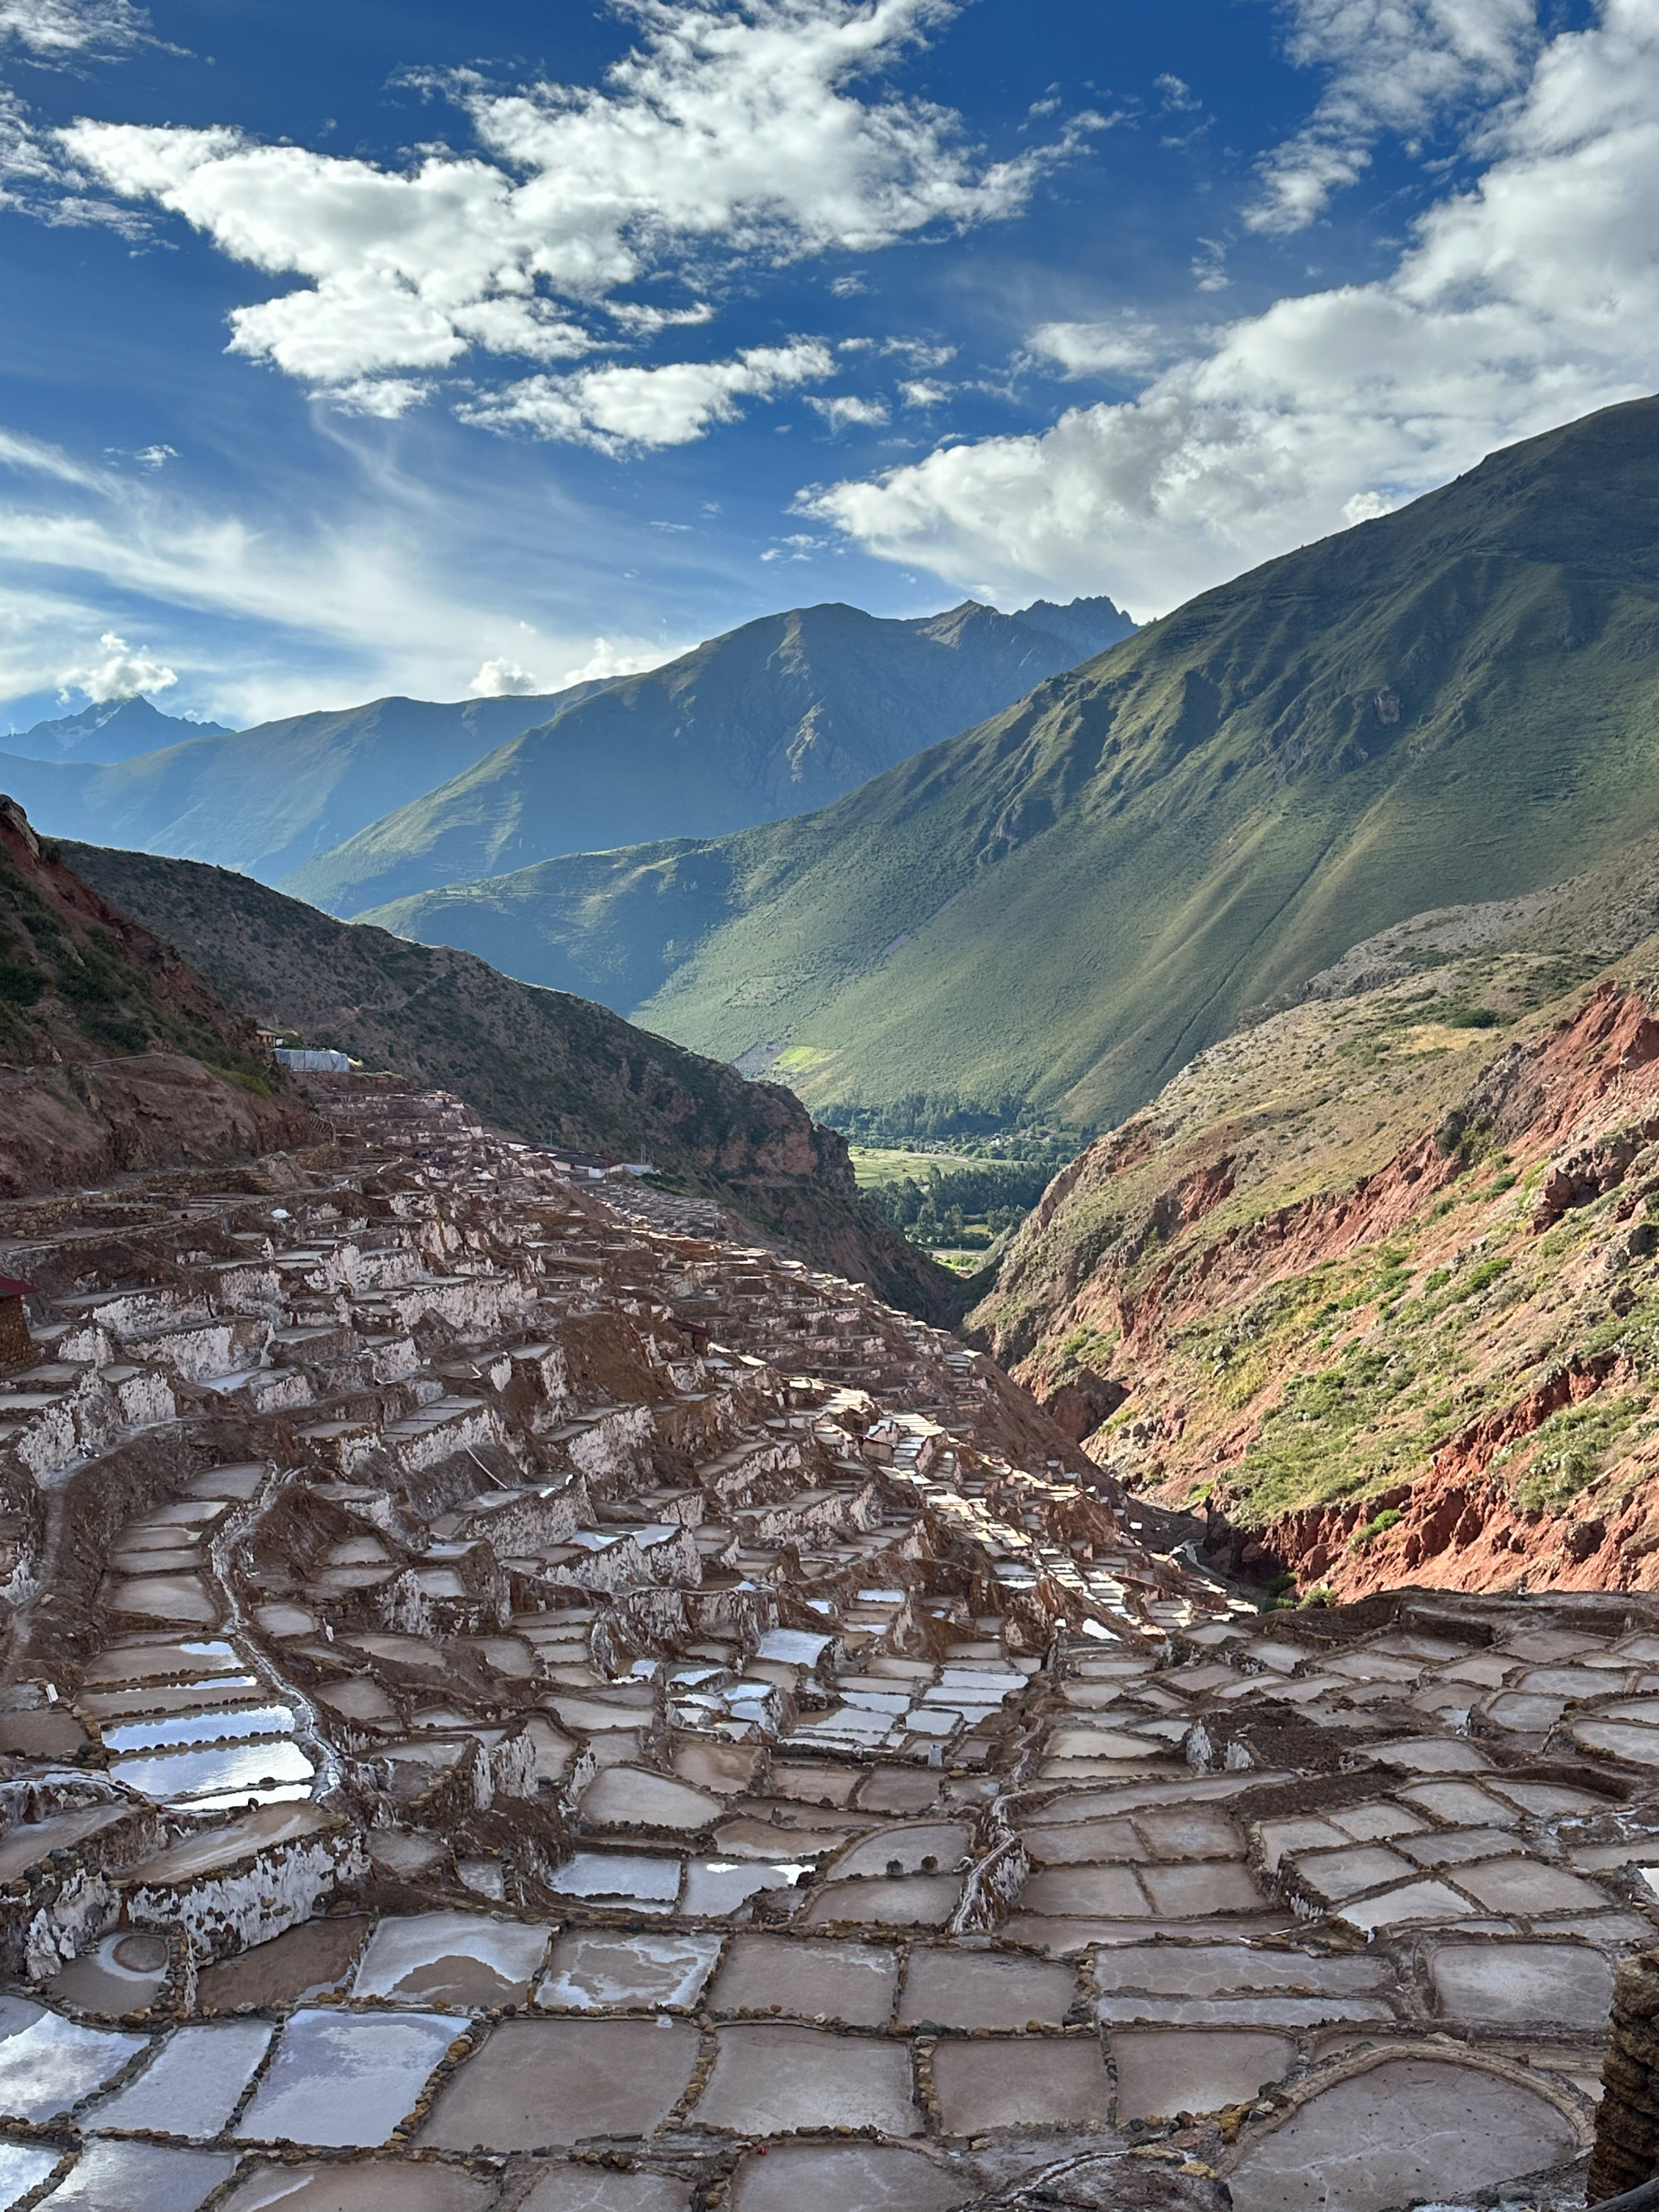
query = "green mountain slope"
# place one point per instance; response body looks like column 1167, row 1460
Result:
column 264, row 800
column 540, row 1064
column 777, row 717
column 1457, row 701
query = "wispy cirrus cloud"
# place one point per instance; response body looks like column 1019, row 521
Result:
column 36, row 174
column 61, row 30
column 1394, row 67
column 257, row 615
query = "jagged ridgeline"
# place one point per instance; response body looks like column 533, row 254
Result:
column 1456, row 701
column 778, row 716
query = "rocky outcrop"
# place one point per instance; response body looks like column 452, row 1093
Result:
column 114, row 1054
column 1082, row 1402
column 1381, row 1297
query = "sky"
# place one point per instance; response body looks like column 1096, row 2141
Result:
column 451, row 350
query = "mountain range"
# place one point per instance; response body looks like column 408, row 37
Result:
column 109, row 730
column 1055, row 910
column 777, row 717
column 264, row 800
column 773, row 719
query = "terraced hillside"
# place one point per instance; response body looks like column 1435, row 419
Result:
column 550, row 1068
column 514, row 1704
column 1457, row 702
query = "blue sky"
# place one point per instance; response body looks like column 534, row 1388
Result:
column 349, row 350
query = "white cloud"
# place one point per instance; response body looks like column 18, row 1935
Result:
column 800, row 546
column 390, row 588
column 156, row 457
column 647, row 321
column 733, row 124
column 623, row 409
column 387, row 397
column 1526, row 300
column 34, row 456
column 1093, row 349
column 620, row 657
column 53, row 30
column 1209, row 266
column 921, row 353
column 1398, row 66
column 848, row 408
column 122, row 672
column 502, row 679
column 923, row 391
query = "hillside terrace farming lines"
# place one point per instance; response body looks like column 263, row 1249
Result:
column 515, row 1704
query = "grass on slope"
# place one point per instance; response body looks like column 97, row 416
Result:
column 772, row 719
column 1456, row 701
column 1269, row 1388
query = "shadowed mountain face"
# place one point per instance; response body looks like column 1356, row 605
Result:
column 1457, row 701
column 537, row 1064
column 263, row 800
column 115, row 729
column 771, row 720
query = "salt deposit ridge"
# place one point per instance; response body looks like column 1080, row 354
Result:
column 516, row 1703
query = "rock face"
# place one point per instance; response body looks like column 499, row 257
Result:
column 510, row 1701
column 113, row 1054
column 546, row 1067
column 1379, row 1275
column 1083, row 1401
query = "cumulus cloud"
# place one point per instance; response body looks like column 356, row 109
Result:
column 847, row 410
column 1519, row 303
column 387, row 397
column 620, row 656
column 502, row 679
column 623, row 409
column 733, row 125
column 1092, row 349
column 122, row 672
column 1393, row 66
